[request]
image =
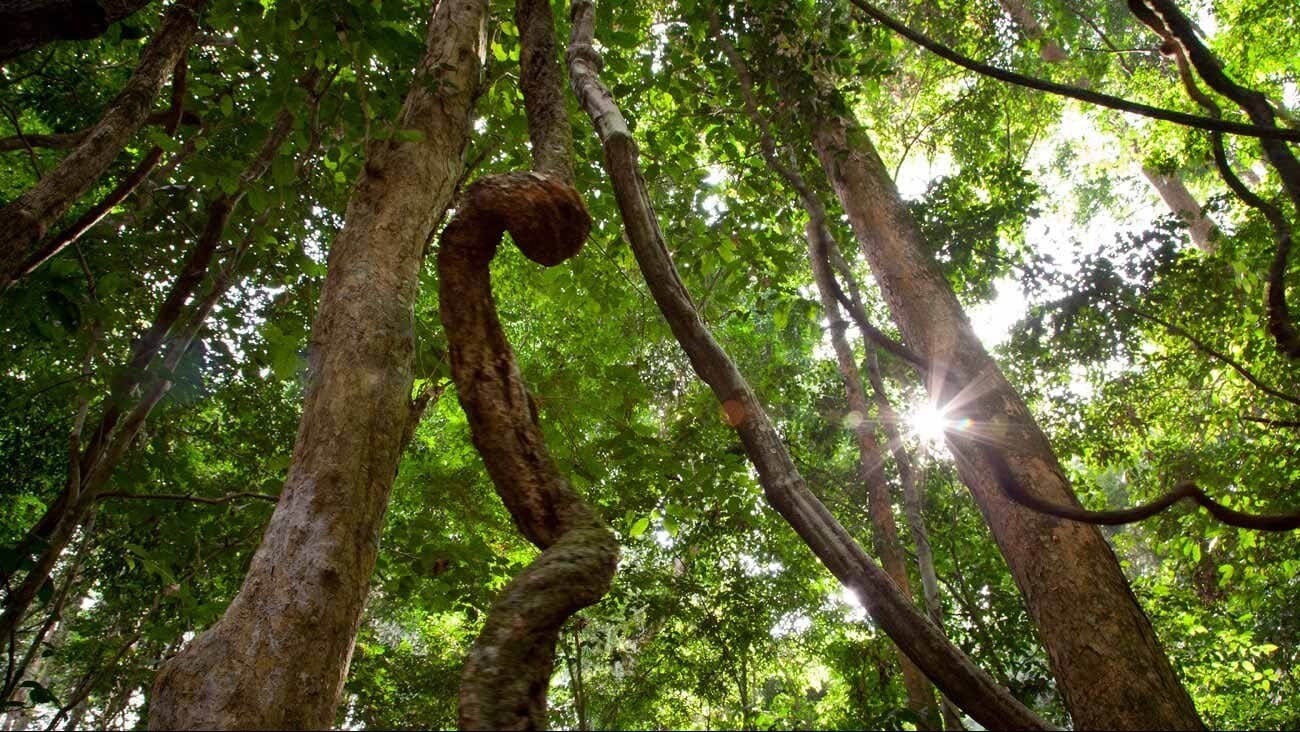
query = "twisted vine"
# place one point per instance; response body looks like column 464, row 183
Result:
column 506, row 676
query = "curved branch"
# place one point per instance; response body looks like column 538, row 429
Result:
column 506, row 676
column 1083, row 95
column 1185, row 491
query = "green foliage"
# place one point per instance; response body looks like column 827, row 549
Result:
column 719, row 616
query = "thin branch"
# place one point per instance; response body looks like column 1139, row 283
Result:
column 1065, row 90
column 190, row 498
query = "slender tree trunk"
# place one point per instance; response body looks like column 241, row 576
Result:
column 1110, row 667
column 1183, row 204
column 871, row 463
column 26, row 25
column 123, row 418
column 279, row 656
column 920, row 695
column 785, row 489
column 1050, row 50
column 23, row 222
column 913, row 504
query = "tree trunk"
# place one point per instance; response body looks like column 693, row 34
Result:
column 1183, row 204
column 23, row 222
column 29, row 24
column 871, row 464
column 279, row 656
column 1110, row 667
column 1050, row 51
column 784, row 488
column 913, row 504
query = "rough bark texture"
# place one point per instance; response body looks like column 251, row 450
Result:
column 279, row 655
column 23, row 222
column 1109, row 665
column 509, row 669
column 969, row 687
column 508, row 672
column 29, row 24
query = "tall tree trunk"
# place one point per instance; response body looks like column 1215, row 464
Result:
column 279, row 656
column 1183, row 205
column 920, row 695
column 913, row 504
column 871, row 463
column 1110, row 667
column 29, row 24
column 784, row 488
column 24, row 221
column 508, row 672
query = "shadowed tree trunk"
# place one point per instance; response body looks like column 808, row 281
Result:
column 925, row 644
column 24, row 221
column 1109, row 665
column 508, row 672
column 279, row 655
column 29, row 24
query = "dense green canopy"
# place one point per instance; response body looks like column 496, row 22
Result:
column 1147, row 359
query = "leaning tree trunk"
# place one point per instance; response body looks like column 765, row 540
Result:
column 508, row 672
column 925, row 644
column 24, row 221
column 26, row 25
column 1109, row 665
column 279, row 656
column 920, row 695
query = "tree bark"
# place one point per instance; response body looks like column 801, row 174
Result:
column 279, row 656
column 24, row 221
column 1183, row 205
column 785, row 489
column 1110, row 667
column 508, row 672
column 26, row 25
column 871, row 464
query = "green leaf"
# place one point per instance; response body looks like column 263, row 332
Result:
column 639, row 527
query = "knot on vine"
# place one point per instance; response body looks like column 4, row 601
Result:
column 544, row 215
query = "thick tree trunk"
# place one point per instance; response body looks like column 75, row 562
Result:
column 29, row 24
column 1110, row 667
column 279, row 656
column 785, row 489
column 23, row 222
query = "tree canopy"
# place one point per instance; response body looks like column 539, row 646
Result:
column 1147, row 338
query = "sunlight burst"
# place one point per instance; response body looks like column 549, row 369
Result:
column 928, row 423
